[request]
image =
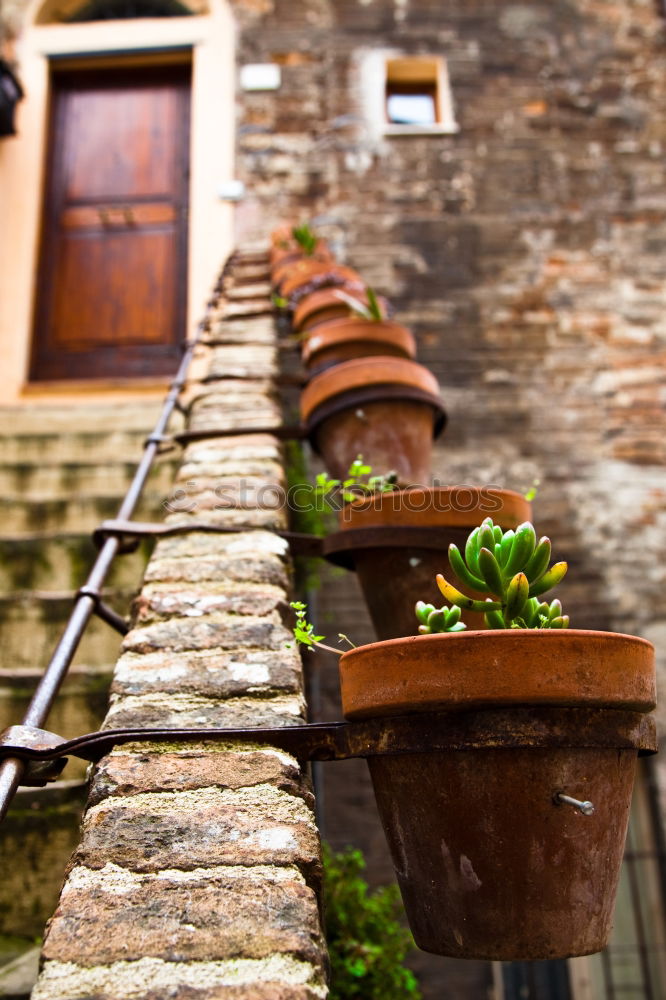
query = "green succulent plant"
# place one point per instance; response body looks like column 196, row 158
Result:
column 444, row 619
column 305, row 238
column 513, row 568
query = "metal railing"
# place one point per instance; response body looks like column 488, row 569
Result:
column 88, row 600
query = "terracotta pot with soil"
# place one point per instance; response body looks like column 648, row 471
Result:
column 284, row 258
column 308, row 275
column 491, row 862
column 354, row 337
column 398, row 541
column 386, row 409
column 325, row 305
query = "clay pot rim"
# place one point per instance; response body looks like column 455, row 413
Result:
column 321, row 298
column 549, row 634
column 377, row 500
column 475, row 669
column 281, row 262
column 365, row 372
column 357, row 329
column 290, row 283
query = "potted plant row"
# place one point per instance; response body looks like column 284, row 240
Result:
column 507, row 839
column 386, row 408
column 508, row 844
column 366, row 394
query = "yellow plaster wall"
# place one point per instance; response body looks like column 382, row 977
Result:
column 22, row 159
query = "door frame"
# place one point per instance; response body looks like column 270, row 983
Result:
column 209, row 41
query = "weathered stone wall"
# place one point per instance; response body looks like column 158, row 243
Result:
column 198, row 868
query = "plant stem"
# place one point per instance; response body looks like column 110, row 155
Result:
column 329, row 649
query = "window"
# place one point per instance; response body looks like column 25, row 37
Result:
column 113, row 10
column 418, row 96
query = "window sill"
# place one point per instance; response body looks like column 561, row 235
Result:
column 451, row 128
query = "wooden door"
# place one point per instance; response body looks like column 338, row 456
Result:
column 112, row 285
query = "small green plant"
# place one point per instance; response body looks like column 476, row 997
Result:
column 532, row 491
column 372, row 311
column 510, row 566
column 367, row 943
column 304, row 633
column 305, row 238
column 359, row 482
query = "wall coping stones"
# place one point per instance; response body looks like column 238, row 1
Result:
column 197, row 874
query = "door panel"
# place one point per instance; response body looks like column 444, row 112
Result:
column 111, row 296
column 125, row 290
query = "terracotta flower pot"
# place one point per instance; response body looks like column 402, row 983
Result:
column 284, row 258
column 282, row 234
column 307, row 276
column 386, row 409
column 325, row 305
column 354, row 337
column 397, row 542
column 490, row 865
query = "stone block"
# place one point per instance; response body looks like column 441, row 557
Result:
column 243, row 309
column 197, row 544
column 219, row 466
column 161, row 601
column 190, row 711
column 236, row 448
column 241, row 518
column 173, row 767
column 274, row 978
column 206, row 827
column 218, row 631
column 205, row 914
column 253, row 361
column 254, row 330
column 211, row 673
column 225, row 570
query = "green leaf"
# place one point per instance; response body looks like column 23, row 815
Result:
column 305, row 238
column 373, row 305
column 491, row 572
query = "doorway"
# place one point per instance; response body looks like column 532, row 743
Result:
column 111, row 299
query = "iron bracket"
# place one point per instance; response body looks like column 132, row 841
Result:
column 340, row 547
column 38, row 771
column 103, row 611
column 283, row 432
column 513, row 728
column 129, row 533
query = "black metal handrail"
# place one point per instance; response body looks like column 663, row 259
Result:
column 88, row 598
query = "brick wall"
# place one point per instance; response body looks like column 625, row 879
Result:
column 198, row 868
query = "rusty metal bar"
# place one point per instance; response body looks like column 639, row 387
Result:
column 301, row 543
column 507, row 728
column 283, row 432
column 87, row 601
